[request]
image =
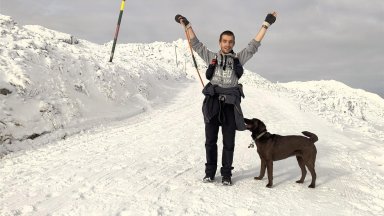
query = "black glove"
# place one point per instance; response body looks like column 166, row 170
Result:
column 270, row 19
column 178, row 17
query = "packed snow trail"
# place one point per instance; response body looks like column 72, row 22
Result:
column 153, row 164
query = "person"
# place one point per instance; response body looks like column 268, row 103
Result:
column 221, row 106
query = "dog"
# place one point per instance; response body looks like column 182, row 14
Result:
column 273, row 147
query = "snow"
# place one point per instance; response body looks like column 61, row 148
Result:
column 127, row 138
column 56, row 85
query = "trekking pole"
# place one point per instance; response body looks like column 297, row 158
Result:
column 117, row 29
column 193, row 56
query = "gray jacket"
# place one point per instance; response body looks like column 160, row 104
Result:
column 224, row 75
column 215, row 96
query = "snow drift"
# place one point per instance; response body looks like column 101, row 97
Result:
column 50, row 84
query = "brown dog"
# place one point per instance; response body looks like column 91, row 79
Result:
column 273, row 147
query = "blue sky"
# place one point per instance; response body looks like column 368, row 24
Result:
column 311, row 40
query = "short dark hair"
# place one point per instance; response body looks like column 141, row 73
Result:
column 227, row 32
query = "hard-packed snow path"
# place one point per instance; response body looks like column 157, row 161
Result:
column 153, row 163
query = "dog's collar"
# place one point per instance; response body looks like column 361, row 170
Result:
column 260, row 135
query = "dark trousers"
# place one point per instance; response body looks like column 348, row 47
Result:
column 226, row 120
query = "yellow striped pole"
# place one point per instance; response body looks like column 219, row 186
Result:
column 117, row 29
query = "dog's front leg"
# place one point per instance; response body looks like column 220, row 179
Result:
column 263, row 166
column 270, row 173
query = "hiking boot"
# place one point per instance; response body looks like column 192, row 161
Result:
column 227, row 180
column 208, row 179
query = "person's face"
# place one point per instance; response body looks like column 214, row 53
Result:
column 226, row 43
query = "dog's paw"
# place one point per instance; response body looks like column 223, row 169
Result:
column 269, row 186
column 311, row 186
column 258, row 178
column 300, row 181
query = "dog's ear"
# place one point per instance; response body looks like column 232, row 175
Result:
column 262, row 125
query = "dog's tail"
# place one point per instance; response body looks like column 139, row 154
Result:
column 311, row 136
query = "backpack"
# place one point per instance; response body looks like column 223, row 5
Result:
column 237, row 67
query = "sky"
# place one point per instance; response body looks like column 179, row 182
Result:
column 311, row 40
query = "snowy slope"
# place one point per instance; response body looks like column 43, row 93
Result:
column 56, row 85
column 340, row 103
column 133, row 140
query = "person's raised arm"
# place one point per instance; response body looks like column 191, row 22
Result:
column 247, row 53
column 182, row 20
column 199, row 47
column 269, row 20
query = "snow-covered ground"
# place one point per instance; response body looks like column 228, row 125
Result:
column 55, row 85
column 127, row 138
